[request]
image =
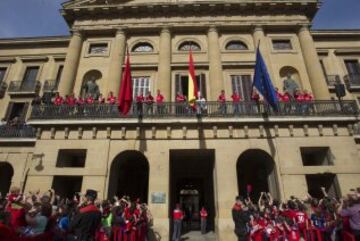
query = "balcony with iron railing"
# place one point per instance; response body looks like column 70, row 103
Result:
column 16, row 131
column 243, row 110
column 352, row 81
column 50, row 86
column 21, row 87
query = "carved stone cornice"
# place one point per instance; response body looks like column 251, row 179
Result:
column 156, row 9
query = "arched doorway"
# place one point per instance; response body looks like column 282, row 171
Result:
column 256, row 167
column 6, row 174
column 129, row 175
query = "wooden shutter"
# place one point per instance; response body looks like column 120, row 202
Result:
column 24, row 112
column 203, row 85
column 246, row 86
column 178, row 87
column 8, row 111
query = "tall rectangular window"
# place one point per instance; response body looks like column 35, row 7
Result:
column 30, row 75
column 2, row 74
column 283, row 44
column 242, row 85
column 353, row 67
column 140, row 85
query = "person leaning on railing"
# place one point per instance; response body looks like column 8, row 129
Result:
column 139, row 103
column 149, row 101
column 222, row 102
column 160, row 103
column 236, row 98
column 180, row 103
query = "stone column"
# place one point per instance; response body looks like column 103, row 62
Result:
column 216, row 79
column 259, row 38
column 117, row 61
column 164, row 69
column 71, row 64
column 312, row 63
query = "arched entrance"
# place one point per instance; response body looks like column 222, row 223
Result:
column 256, row 167
column 129, row 175
column 6, row 174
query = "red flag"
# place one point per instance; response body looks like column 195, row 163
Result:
column 193, row 88
column 125, row 92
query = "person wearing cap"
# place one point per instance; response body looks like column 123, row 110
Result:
column 86, row 222
column 178, row 216
column 241, row 216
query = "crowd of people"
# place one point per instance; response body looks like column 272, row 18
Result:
column 149, row 104
column 310, row 219
column 48, row 217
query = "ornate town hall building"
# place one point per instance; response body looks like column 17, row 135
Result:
column 170, row 154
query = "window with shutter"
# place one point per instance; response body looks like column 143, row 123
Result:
column 2, row 74
column 30, row 76
column 242, row 85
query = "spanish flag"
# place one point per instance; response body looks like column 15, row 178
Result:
column 193, row 88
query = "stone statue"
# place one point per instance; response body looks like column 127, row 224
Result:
column 91, row 88
column 290, row 85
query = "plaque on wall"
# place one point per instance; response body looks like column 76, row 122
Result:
column 158, row 197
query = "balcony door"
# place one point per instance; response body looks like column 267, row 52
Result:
column 182, row 84
column 242, row 84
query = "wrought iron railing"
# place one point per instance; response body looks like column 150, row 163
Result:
column 21, row 86
column 331, row 80
column 50, row 86
column 208, row 109
column 17, row 131
column 352, row 80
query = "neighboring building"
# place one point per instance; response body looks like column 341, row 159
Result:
column 170, row 156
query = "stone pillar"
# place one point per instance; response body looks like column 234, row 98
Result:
column 312, row 63
column 164, row 69
column 259, row 38
column 117, row 61
column 159, row 181
column 71, row 64
column 216, row 79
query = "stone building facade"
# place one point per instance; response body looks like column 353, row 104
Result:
column 165, row 158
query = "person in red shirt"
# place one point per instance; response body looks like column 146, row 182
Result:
column 100, row 99
column 178, row 216
column 222, row 102
column 58, row 100
column 180, row 104
column 139, row 103
column 70, row 100
column 111, row 99
column 203, row 216
column 149, row 101
column 236, row 98
column 160, row 103
column 292, row 231
column 308, row 99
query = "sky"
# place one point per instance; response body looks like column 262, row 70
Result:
column 29, row 18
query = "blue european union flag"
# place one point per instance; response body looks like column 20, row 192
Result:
column 263, row 83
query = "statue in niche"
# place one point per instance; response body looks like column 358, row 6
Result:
column 290, row 85
column 91, row 88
